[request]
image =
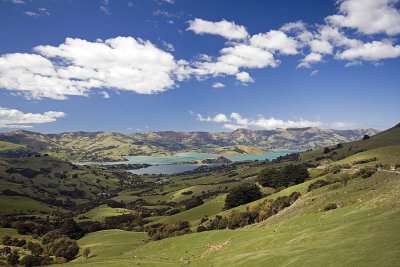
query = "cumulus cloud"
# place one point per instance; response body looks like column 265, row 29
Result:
column 368, row 16
column 373, row 51
column 219, row 118
column 321, row 46
column 232, row 59
column 244, row 77
column 218, row 85
column 235, row 121
column 310, row 59
column 226, row 29
column 12, row 118
column 275, row 41
column 77, row 66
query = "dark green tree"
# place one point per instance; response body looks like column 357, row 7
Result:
column 242, row 194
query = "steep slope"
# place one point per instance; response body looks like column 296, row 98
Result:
column 390, row 137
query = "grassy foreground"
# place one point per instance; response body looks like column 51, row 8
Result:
column 363, row 231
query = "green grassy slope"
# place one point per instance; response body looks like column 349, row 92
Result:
column 389, row 137
column 363, row 231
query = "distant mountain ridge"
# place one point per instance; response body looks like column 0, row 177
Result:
column 104, row 146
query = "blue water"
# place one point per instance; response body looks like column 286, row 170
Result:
column 166, row 169
column 173, row 164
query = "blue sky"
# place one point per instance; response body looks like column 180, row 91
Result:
column 151, row 65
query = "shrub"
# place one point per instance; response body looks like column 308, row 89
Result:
column 242, row 194
column 330, row 206
column 317, row 184
column 201, row 228
column 366, row 137
column 86, row 252
column 13, row 259
column 327, row 150
column 35, row 248
column 52, row 236
column 32, row 260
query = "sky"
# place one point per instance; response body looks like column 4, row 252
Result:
column 154, row 65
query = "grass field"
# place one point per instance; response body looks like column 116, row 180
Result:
column 101, row 212
column 16, row 204
column 363, row 231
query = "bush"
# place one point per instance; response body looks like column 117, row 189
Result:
column 13, row 259
column 242, row 194
column 201, row 228
column 317, row 184
column 327, row 150
column 330, row 206
column 63, row 247
column 366, row 137
column 35, row 248
column 32, row 260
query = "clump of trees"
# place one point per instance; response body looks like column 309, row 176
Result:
column 242, row 194
column 290, row 174
column 253, row 214
column 161, row 231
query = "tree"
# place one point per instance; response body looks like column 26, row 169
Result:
column 242, row 194
column 366, row 136
column 289, row 174
column 63, row 247
column 71, row 229
column 270, row 177
column 326, row 150
column 86, row 252
column 295, row 173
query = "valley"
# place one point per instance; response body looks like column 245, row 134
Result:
column 183, row 218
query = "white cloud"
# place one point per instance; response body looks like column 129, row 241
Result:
column 224, row 28
column 314, row 72
column 321, row 46
column 343, row 125
column 104, row 94
column 18, row 2
column 77, row 66
column 244, row 77
column 38, row 13
column 218, row 85
column 372, row 51
column 275, row 41
column 236, row 121
column 171, row 2
column 219, row 118
column 294, row 26
column 368, row 16
column 310, row 59
column 232, row 59
column 12, row 118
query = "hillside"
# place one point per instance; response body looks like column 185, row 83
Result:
column 346, row 206
column 101, row 146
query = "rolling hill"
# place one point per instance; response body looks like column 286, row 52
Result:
column 346, row 213
column 101, row 146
